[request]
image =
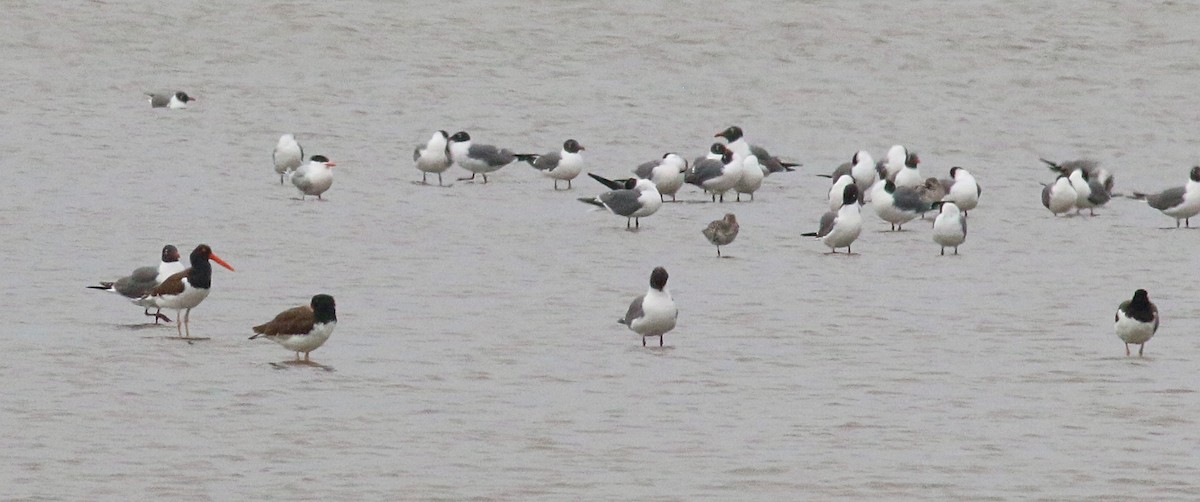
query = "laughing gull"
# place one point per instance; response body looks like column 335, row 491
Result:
column 667, row 173
column 479, row 159
column 862, row 168
column 1136, row 320
column 722, row 232
column 633, row 203
column 910, row 175
column 1089, row 193
column 315, row 177
column 654, row 313
column 288, row 155
column 716, row 175
column 751, row 179
column 840, row 229
column 741, row 148
column 168, row 100
column 144, row 279
column 962, row 189
column 434, row 156
column 1091, row 167
column 564, row 165
column 950, row 226
column 1058, row 197
column 837, row 190
column 1181, row 203
column 897, row 205
column 617, row 184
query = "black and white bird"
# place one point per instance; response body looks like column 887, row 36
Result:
column 1181, row 203
column 478, row 159
column 1089, row 193
column 564, row 165
column 751, row 179
column 722, row 232
column 909, row 175
column 654, row 313
column 174, row 100
column 1136, row 320
column 288, row 155
column 184, row 290
column 742, row 149
column 315, row 177
column 716, row 175
column 667, row 173
column 144, row 279
column 633, row 203
column 950, row 226
column 434, row 156
column 302, row 329
column 1091, row 167
column 840, row 229
column 897, row 205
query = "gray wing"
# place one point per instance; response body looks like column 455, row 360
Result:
column 1166, row 199
column 493, row 156
column 137, row 284
column 547, row 162
column 635, row 310
column 646, row 169
column 704, row 170
column 827, row 220
column 1046, row 196
column 771, row 163
column 842, row 169
column 1100, row 194
column 300, row 178
column 159, row 100
column 623, row 202
column 908, row 199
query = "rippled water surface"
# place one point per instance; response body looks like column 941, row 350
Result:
column 477, row 354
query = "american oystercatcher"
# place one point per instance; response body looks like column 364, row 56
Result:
column 185, row 290
column 143, row 279
column 303, row 328
column 1136, row 320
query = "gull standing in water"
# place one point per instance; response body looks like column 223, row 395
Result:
column 1058, row 197
column 751, row 179
column 288, row 155
column 479, row 159
column 1181, row 203
column 1089, row 193
column 962, row 189
column 897, row 205
column 950, row 226
column 716, row 175
column 185, row 290
column 722, row 232
column 434, row 156
column 840, row 229
column 144, row 279
column 667, row 173
column 564, row 165
column 1136, row 320
column 654, row 313
column 742, row 149
column 633, row 203
column 315, row 177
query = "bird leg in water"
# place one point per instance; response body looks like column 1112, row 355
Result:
column 660, row 342
column 644, row 342
column 469, row 178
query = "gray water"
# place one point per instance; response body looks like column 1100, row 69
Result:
column 477, row 354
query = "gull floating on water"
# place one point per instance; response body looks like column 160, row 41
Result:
column 654, row 313
column 1136, row 321
column 175, row 100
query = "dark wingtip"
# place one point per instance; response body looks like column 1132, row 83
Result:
column 808, row 234
column 612, row 185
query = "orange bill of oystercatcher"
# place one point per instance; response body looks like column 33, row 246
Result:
column 303, row 328
column 185, row 290
column 143, row 279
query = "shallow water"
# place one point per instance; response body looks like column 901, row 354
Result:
column 477, row 355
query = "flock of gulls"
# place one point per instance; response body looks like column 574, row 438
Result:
column 894, row 187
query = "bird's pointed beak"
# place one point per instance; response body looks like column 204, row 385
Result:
column 220, row 262
column 330, row 164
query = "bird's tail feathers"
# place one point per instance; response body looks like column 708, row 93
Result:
column 622, row 321
column 104, row 286
column 808, row 234
column 527, row 157
column 592, row 200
